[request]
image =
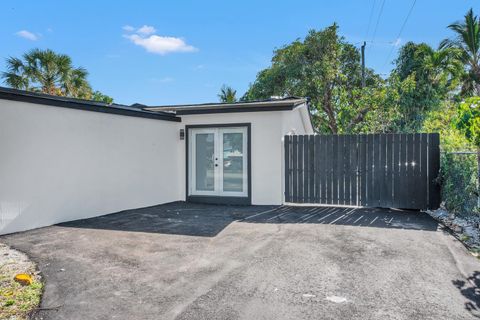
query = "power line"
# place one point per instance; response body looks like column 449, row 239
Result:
column 378, row 21
column 401, row 30
column 370, row 18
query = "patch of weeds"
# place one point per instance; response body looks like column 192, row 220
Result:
column 464, row 237
column 476, row 252
column 17, row 301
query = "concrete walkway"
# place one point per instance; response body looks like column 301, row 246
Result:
column 185, row 261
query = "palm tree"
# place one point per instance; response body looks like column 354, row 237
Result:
column 467, row 41
column 227, row 94
column 443, row 66
column 47, row 72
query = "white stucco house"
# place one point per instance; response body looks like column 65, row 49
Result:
column 64, row 159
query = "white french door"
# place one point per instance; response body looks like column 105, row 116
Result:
column 218, row 161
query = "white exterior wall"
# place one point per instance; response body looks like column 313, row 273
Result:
column 59, row 164
column 297, row 121
column 267, row 131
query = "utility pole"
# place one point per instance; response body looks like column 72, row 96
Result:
column 363, row 64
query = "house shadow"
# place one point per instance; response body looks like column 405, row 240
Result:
column 470, row 289
column 203, row 220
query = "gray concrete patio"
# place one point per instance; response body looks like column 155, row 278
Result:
column 188, row 261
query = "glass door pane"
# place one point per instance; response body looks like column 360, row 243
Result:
column 204, row 162
column 233, row 166
column 233, row 178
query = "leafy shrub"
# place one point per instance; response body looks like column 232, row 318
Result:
column 458, row 174
column 457, row 171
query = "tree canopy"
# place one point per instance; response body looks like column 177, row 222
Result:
column 467, row 42
column 325, row 68
column 48, row 72
column 423, row 78
column 227, row 94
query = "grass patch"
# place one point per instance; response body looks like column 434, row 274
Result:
column 464, row 237
column 17, row 301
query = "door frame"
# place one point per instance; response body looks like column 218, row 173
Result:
column 233, row 200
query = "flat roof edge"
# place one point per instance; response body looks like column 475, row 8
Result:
column 233, row 110
column 78, row 104
column 269, row 104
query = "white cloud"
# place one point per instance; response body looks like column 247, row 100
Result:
column 128, row 28
column 160, row 44
column 146, row 30
column 27, row 35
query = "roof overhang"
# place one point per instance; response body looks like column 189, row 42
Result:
column 253, row 106
column 86, row 105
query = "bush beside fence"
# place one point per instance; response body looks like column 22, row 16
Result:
column 458, row 174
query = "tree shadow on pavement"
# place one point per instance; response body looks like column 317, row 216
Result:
column 208, row 220
column 470, row 289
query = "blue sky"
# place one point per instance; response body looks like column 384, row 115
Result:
column 169, row 52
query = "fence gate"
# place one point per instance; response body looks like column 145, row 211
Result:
column 372, row 170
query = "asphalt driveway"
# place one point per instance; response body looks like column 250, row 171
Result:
column 185, row 261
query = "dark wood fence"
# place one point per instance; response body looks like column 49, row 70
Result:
column 372, row 170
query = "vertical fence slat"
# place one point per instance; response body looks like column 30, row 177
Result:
column 311, row 163
column 295, row 168
column 389, row 173
column 354, row 170
column 434, row 167
column 329, row 169
column 326, row 169
column 340, row 177
column 335, row 163
column 317, row 168
column 363, row 169
column 407, row 195
column 306, row 168
column 416, row 196
column 370, row 177
column 403, row 172
column 383, row 171
column 287, row 167
column 423, row 165
column 300, row 169
column 323, row 173
column 346, row 168
column 396, row 168
column 376, row 170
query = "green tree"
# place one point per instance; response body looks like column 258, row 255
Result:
column 384, row 113
column 443, row 120
column 48, row 72
column 469, row 123
column 467, row 41
column 227, row 94
column 325, row 68
column 98, row 96
column 423, row 78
